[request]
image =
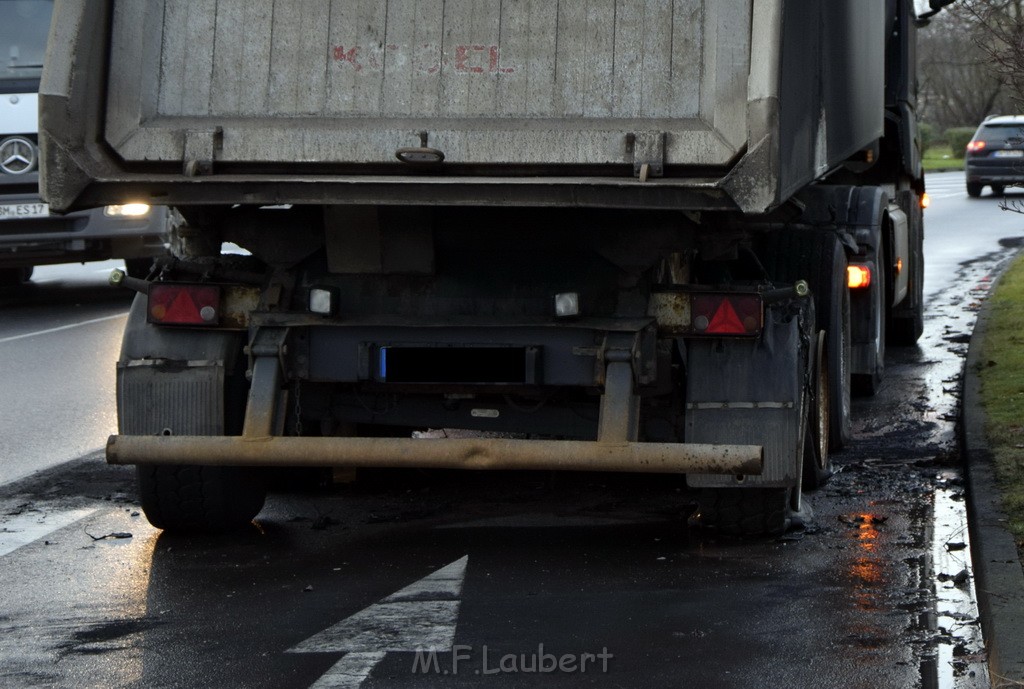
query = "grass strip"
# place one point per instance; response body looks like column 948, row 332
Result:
column 941, row 158
column 1002, row 391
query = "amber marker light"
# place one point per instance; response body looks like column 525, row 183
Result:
column 925, row 200
column 858, row 277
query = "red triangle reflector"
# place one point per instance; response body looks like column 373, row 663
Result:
column 183, row 309
column 726, row 321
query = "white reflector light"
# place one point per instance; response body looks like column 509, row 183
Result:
column 321, row 301
column 567, row 304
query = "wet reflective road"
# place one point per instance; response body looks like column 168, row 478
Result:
column 502, row 577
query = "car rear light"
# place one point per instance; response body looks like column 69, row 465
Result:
column 858, row 276
column 184, row 304
column 975, row 146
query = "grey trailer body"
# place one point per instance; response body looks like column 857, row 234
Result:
column 618, row 230
column 728, row 104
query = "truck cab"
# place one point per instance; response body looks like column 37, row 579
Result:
column 30, row 234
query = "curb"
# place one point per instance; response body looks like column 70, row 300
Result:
column 999, row 578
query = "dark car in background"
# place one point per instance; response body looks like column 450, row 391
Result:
column 995, row 156
column 29, row 234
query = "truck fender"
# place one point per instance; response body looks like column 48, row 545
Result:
column 178, row 381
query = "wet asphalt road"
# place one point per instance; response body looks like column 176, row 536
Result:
column 602, row 573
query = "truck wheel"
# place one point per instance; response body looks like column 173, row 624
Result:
column 974, row 189
column 821, row 259
column 817, row 467
column 998, row 190
column 199, row 499
column 746, row 511
column 833, row 303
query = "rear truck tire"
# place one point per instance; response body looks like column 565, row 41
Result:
column 185, row 382
column 833, row 304
column 817, row 469
column 747, row 512
column 820, row 258
column 974, row 189
column 199, row 499
column 998, row 190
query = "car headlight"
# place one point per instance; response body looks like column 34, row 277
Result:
column 128, row 210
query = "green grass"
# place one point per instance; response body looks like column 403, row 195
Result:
column 1002, row 391
column 941, row 158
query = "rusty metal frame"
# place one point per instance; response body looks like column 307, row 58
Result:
column 447, row 453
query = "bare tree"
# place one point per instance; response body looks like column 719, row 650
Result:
column 957, row 85
column 999, row 33
column 998, row 30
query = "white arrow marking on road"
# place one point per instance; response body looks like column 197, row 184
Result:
column 420, row 617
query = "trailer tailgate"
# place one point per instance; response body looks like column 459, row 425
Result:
column 491, row 82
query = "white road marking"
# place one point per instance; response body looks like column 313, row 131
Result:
column 62, row 327
column 26, row 528
column 350, row 671
column 419, row 617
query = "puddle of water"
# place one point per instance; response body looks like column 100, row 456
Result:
column 960, row 661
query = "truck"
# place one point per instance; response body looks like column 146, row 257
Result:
column 30, row 235
column 667, row 236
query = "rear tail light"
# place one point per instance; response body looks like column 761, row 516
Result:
column 184, row 304
column 714, row 314
column 975, row 146
column 858, row 276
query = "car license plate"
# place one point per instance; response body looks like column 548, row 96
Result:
column 16, row 211
column 1008, row 154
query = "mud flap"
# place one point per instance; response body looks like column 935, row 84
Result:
column 750, row 392
column 160, row 397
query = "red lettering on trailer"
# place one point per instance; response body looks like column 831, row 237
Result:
column 350, row 56
column 469, row 59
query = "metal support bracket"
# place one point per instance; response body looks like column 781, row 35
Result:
column 200, row 149
column 619, row 420
column 648, row 154
column 266, row 366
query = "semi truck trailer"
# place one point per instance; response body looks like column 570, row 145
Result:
column 617, row 236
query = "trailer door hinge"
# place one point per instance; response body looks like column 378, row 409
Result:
column 648, row 154
column 200, row 149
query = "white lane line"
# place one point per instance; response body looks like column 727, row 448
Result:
column 62, row 327
column 350, row 672
column 23, row 529
column 419, row 617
